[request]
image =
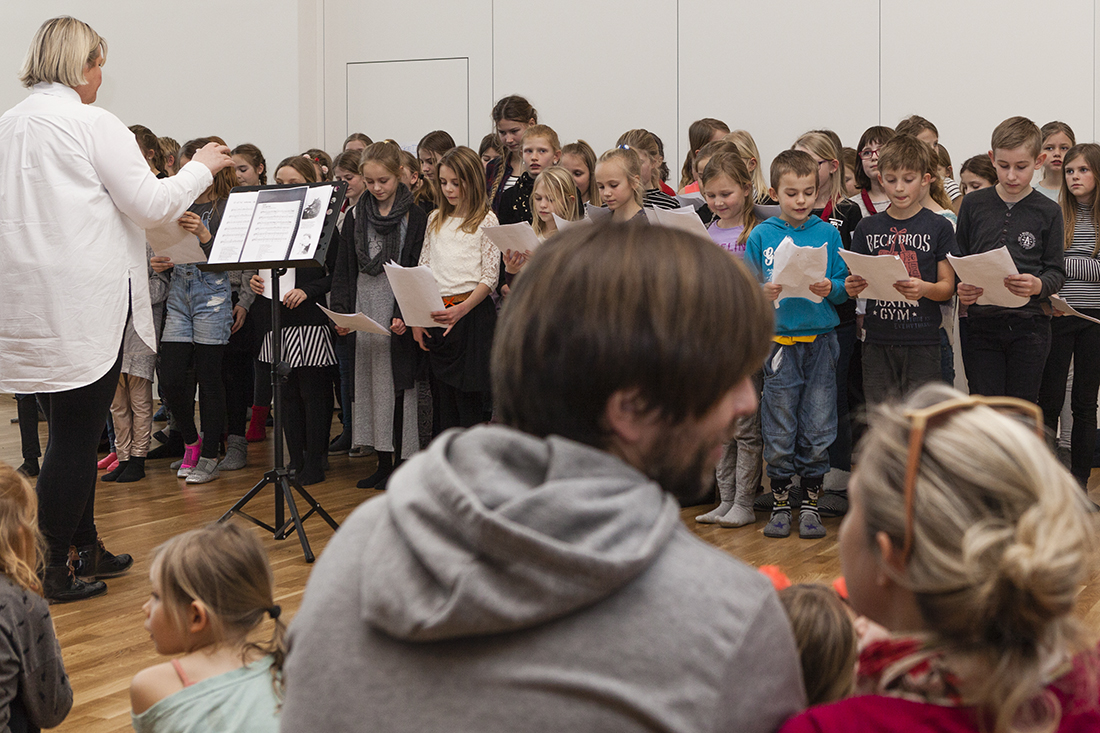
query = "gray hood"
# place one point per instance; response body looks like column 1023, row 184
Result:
column 492, row 530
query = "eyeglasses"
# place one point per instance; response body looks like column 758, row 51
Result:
column 868, row 153
column 923, row 417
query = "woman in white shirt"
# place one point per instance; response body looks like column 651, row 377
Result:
column 77, row 196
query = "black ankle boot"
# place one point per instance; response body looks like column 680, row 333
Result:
column 135, row 471
column 382, row 474
column 93, row 561
column 29, row 467
column 172, row 449
column 60, row 585
column 113, row 475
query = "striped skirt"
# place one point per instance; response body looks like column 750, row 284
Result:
column 303, row 346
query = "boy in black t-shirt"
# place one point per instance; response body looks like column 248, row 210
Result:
column 1006, row 349
column 902, row 346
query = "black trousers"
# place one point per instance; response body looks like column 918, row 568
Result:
column 307, row 416
column 27, row 410
column 1077, row 339
column 67, row 481
column 1005, row 355
column 238, row 378
column 453, row 408
column 175, row 358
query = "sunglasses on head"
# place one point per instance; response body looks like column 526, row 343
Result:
column 923, row 418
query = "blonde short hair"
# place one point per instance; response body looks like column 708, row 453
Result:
column 60, row 51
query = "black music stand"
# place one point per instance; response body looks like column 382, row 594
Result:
column 283, row 479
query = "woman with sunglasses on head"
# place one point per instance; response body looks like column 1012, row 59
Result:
column 968, row 542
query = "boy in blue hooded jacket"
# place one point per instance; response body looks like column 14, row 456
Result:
column 798, row 407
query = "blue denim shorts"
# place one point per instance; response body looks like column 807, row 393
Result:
column 200, row 307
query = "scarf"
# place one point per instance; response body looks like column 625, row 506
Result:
column 904, row 667
column 388, row 228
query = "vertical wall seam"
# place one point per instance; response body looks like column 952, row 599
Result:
column 880, row 62
column 679, row 157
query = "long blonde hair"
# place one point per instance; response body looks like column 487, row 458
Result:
column 749, row 151
column 631, row 166
column 823, row 147
column 558, row 185
column 1002, row 542
column 223, row 567
column 20, row 541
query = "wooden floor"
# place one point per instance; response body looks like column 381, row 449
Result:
column 104, row 643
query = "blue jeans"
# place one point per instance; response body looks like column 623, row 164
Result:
column 200, row 308
column 798, row 408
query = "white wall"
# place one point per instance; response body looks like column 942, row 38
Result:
column 595, row 69
column 184, row 69
column 277, row 72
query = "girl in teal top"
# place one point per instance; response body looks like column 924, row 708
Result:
column 211, row 588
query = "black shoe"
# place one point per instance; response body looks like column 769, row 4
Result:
column 160, row 436
column 60, row 585
column 29, row 467
column 172, row 449
column 119, row 470
column 93, row 561
column 341, row 445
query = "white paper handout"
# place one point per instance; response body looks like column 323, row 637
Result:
column 176, row 243
column 233, row 228
column 286, row 282
column 417, row 294
column 564, row 224
column 797, row 268
column 988, row 271
column 518, row 237
column 356, row 322
column 1062, row 306
column 597, row 213
column 684, row 219
column 880, row 272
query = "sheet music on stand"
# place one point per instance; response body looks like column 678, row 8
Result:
column 276, row 226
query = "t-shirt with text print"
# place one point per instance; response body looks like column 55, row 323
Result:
column 922, row 241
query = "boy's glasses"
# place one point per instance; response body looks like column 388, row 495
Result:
column 868, row 153
column 922, row 418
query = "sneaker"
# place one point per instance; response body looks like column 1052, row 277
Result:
column 779, row 525
column 191, row 456
column 60, row 585
column 361, row 451
column 236, row 454
column 809, row 525
column 95, row 562
column 205, row 471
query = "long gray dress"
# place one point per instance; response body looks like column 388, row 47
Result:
column 372, row 409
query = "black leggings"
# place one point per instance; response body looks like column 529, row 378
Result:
column 174, row 360
column 237, row 374
column 66, row 484
column 307, row 416
column 27, row 410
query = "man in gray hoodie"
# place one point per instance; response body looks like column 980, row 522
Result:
column 534, row 575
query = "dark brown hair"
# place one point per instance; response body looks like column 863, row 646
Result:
column 1091, row 153
column 516, row 108
column 981, row 166
column 470, row 171
column 618, row 307
column 915, row 125
column 878, row 134
column 255, row 158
